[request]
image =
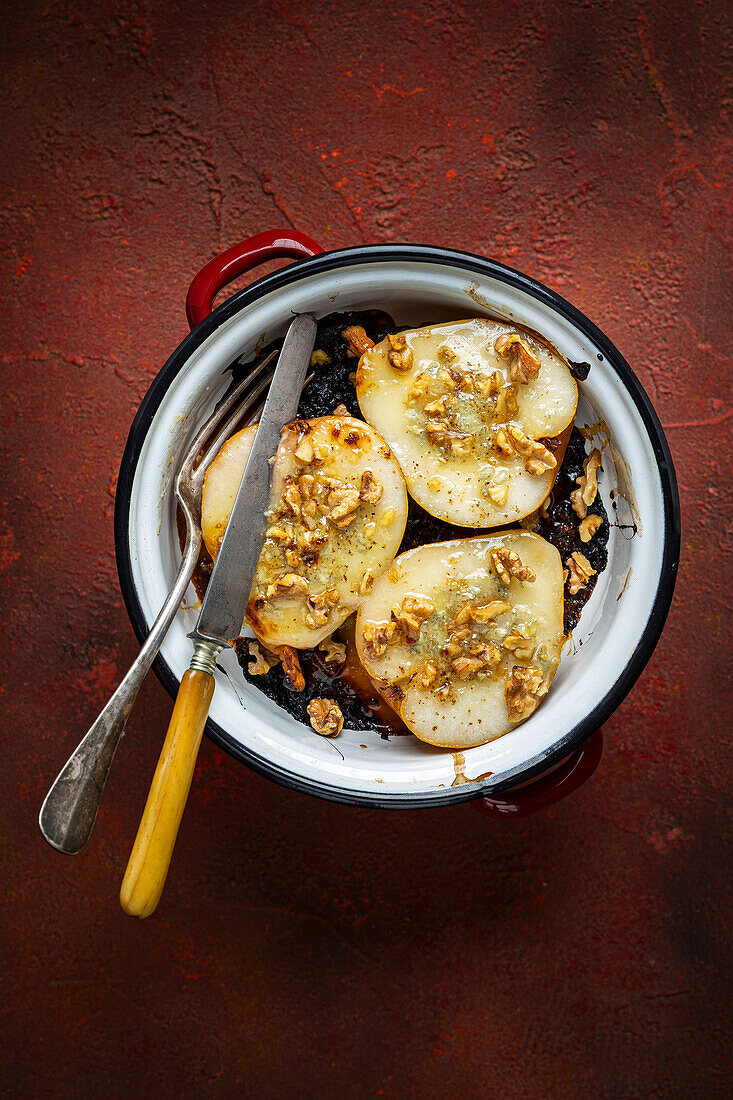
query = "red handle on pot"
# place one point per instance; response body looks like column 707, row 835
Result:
column 523, row 801
column 215, row 275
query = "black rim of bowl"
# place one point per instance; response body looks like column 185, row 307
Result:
column 427, row 254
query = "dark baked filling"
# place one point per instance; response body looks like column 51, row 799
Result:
column 347, row 683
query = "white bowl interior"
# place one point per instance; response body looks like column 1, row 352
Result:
column 612, row 623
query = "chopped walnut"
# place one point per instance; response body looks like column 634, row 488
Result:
column 449, row 379
column 410, row 615
column 426, row 675
column 524, row 363
column 357, row 341
column 519, row 644
column 457, row 443
column 580, row 572
column 291, row 496
column 335, row 652
column 588, row 484
column 377, row 637
column 341, row 410
column 319, row 358
column 538, row 458
column 508, row 564
column 446, row 354
column 287, row 586
column 498, row 494
column 485, row 613
column 304, row 451
column 325, row 717
column 262, row 662
column 367, row 583
column 444, row 691
column 418, row 388
column 291, row 666
column 588, row 527
column 400, row 357
column 307, row 487
column 282, row 533
column 523, row 690
column 436, row 410
column 482, row 657
column 321, row 605
column 504, row 444
column 342, row 503
column 506, row 403
column 486, row 385
column 371, row 489
column 454, row 645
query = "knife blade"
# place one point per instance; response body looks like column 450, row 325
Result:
column 227, row 593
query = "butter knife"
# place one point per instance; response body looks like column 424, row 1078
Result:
column 220, row 621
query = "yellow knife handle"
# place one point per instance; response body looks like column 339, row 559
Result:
column 151, row 854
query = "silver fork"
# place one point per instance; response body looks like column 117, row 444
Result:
column 70, row 808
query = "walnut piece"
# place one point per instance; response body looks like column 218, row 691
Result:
column 291, row 496
column 588, row 527
column 523, row 690
column 519, row 644
column 325, row 717
column 498, row 494
column 506, row 403
column 321, row 605
column 580, row 572
column 426, row 675
column 524, row 364
column 263, row 661
column 342, row 503
column 304, row 451
column 377, row 637
column 291, row 666
column 456, row 443
column 357, row 341
column 405, row 623
column 287, row 586
column 371, row 489
column 503, row 443
column 482, row 657
column 410, row 615
column 581, row 497
column 335, row 652
column 400, row 357
column 341, row 410
column 538, row 458
column 508, row 564
column 319, row 358
column 485, row 613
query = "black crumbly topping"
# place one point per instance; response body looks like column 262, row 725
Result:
column 321, row 680
column 560, row 527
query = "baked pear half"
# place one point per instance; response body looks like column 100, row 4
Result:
column 463, row 638
column 477, row 412
column 337, row 513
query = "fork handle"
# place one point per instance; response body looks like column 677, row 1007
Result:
column 70, row 808
column 150, row 858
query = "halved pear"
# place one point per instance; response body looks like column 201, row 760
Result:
column 463, row 638
column 337, row 513
column 464, row 419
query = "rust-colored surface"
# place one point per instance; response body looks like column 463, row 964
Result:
column 303, row 948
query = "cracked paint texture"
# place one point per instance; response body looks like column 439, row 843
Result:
column 303, row 948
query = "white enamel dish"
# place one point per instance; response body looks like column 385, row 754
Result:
column 619, row 626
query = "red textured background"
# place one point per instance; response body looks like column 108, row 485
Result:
column 303, row 948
